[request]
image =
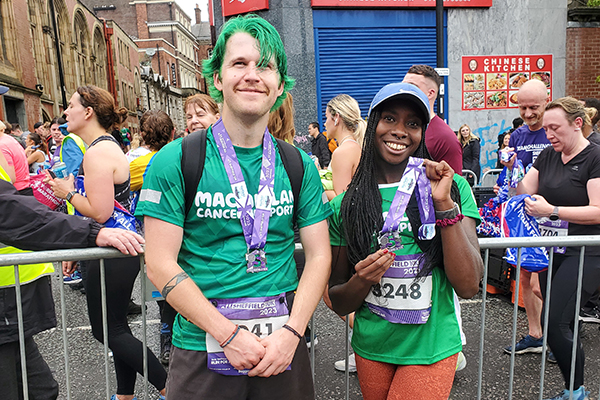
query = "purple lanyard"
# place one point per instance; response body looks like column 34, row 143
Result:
column 414, row 175
column 255, row 228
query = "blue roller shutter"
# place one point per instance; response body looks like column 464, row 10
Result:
column 359, row 51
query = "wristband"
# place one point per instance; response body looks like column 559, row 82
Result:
column 442, row 223
column 70, row 195
column 448, row 214
column 230, row 338
column 289, row 328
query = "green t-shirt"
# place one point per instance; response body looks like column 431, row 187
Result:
column 374, row 338
column 213, row 249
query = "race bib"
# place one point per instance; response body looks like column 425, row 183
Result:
column 258, row 315
column 554, row 229
column 399, row 298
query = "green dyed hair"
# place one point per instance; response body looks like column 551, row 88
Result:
column 270, row 45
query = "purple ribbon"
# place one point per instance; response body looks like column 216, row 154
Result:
column 414, row 175
column 255, row 228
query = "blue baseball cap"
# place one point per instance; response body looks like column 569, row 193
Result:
column 406, row 91
column 3, row 89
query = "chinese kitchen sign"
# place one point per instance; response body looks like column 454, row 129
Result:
column 398, row 3
column 492, row 82
column 235, row 7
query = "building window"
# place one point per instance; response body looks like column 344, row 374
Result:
column 8, row 40
column 99, row 59
column 82, row 46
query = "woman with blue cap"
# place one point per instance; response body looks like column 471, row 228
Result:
column 403, row 238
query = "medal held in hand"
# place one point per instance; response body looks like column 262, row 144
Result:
column 413, row 176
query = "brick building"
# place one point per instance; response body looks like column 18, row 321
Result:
column 170, row 54
column 583, row 41
column 29, row 60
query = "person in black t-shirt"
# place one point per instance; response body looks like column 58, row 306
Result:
column 565, row 186
column 319, row 145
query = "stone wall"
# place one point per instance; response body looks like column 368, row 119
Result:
column 509, row 27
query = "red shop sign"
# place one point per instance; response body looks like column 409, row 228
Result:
column 492, row 82
column 235, row 7
column 399, row 3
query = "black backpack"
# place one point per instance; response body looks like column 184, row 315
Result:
column 192, row 166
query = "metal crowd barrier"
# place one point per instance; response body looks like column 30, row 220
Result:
column 489, row 175
column 468, row 173
column 486, row 244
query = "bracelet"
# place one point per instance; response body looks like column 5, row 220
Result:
column 230, row 338
column 449, row 221
column 448, row 214
column 289, row 328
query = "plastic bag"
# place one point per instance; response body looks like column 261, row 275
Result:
column 515, row 222
column 121, row 218
column 43, row 192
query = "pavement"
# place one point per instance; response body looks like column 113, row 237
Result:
column 87, row 367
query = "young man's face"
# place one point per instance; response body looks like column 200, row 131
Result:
column 426, row 85
column 247, row 90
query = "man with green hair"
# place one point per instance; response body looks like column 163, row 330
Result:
column 227, row 264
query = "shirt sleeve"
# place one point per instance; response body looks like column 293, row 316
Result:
column 313, row 206
column 336, row 236
column 595, row 164
column 467, row 200
column 162, row 194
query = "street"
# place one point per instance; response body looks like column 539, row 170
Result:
column 87, row 365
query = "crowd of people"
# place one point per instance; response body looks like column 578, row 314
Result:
column 386, row 220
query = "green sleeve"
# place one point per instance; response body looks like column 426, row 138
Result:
column 162, row 194
column 313, row 206
column 336, row 235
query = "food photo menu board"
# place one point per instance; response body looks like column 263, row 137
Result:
column 492, row 82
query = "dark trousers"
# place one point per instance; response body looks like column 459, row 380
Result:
column 562, row 313
column 190, row 379
column 40, row 382
column 127, row 350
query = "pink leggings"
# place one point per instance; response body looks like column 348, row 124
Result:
column 383, row 381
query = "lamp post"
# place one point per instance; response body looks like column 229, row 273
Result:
column 61, row 74
column 439, row 33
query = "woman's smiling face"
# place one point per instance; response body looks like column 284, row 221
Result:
column 398, row 133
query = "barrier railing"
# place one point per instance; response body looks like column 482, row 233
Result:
column 466, row 173
column 486, row 244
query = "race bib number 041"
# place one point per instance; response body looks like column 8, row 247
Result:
column 260, row 316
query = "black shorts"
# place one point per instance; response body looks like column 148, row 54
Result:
column 189, row 378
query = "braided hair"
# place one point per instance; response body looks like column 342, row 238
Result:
column 361, row 208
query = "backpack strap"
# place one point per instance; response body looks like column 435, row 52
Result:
column 193, row 154
column 292, row 162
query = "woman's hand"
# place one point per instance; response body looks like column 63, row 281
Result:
column 372, row 268
column 68, row 267
column 537, row 206
column 509, row 164
column 29, row 150
column 441, row 176
column 62, row 187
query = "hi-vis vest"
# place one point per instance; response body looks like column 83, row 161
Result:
column 27, row 273
column 81, row 144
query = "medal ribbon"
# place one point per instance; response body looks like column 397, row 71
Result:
column 414, row 175
column 255, row 228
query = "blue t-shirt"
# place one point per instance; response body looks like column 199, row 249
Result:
column 528, row 144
